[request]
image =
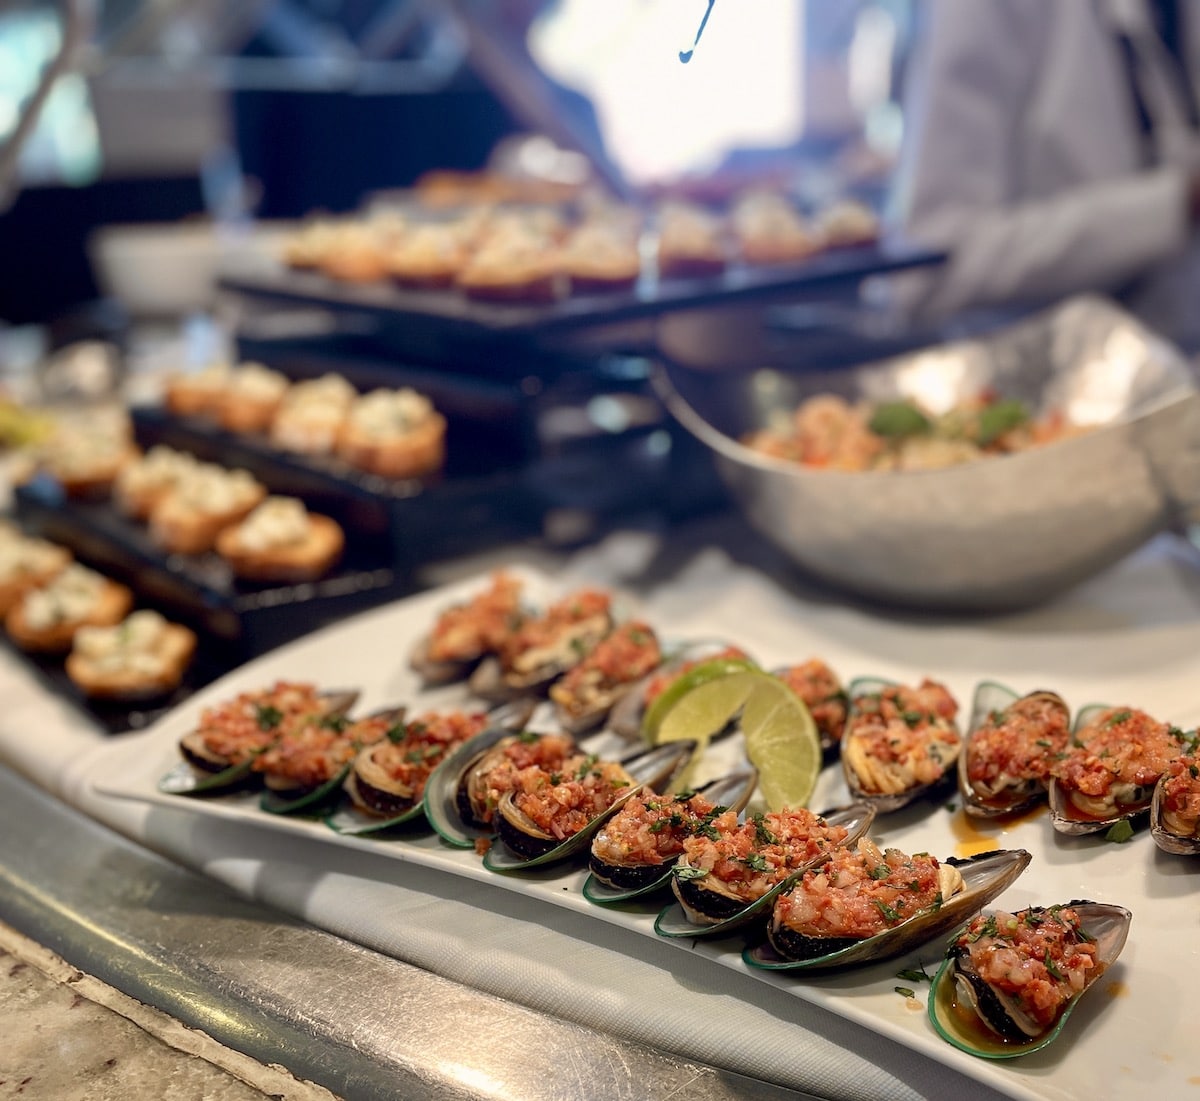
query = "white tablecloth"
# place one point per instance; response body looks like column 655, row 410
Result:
column 1132, row 634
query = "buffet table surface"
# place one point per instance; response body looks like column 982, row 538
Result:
column 624, row 1014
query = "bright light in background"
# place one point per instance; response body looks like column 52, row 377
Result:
column 662, row 119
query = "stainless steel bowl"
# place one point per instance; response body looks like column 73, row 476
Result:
column 995, row 534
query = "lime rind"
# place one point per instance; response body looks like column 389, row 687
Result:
column 689, row 681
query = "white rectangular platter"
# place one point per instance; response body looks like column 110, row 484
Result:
column 1123, row 1041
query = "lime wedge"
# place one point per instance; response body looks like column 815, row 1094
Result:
column 780, row 735
column 697, row 675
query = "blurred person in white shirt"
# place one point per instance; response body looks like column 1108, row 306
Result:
column 1054, row 148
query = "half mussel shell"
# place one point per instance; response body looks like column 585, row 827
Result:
column 532, row 671
column 976, row 1018
column 393, row 804
column 708, row 910
column 1047, row 712
column 522, row 844
column 858, row 765
column 203, row 773
column 613, row 881
column 1174, row 833
column 1069, row 818
column 475, row 624
column 984, row 877
column 587, row 693
column 280, row 797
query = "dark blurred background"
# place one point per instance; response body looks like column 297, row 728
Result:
column 218, row 111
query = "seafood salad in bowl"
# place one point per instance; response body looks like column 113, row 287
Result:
column 1020, row 463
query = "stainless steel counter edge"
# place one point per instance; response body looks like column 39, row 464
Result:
column 359, row 1023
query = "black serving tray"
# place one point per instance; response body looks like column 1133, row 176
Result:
column 445, row 319
column 239, row 619
column 474, row 502
column 211, row 661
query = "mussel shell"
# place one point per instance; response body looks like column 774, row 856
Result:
column 204, row 773
column 886, row 803
column 433, row 673
column 984, row 878
column 524, row 845
column 580, row 722
column 378, row 802
column 441, row 802
column 492, row 682
column 700, row 911
column 1109, row 925
column 989, row 697
column 1164, row 837
column 311, row 800
column 1067, row 818
column 282, row 796
column 611, row 882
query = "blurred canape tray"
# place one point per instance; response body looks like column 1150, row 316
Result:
column 240, row 619
column 450, row 312
column 468, row 504
column 118, row 716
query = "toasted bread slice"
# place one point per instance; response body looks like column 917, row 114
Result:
column 109, row 604
column 159, row 660
column 142, row 484
column 252, row 399
column 303, row 560
column 770, row 230
column 197, row 394
column 188, row 519
column 420, row 450
column 31, row 571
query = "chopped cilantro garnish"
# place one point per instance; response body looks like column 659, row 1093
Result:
column 906, row 992
column 267, row 716
column 890, row 913
column 913, row 975
column 688, row 872
column 1119, row 832
column 880, row 871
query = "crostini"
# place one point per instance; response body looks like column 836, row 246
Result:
column 45, row 619
column 311, row 414
column 87, row 451
column 516, row 261
column 282, row 541
column 691, row 241
column 143, row 483
column 189, row 518
column 197, row 393
column 431, row 255
column 394, row 433
column 141, row 657
column 601, row 255
column 846, row 224
column 770, row 230
column 26, row 563
column 252, row 398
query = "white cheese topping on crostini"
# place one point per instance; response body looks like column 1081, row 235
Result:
column 70, row 596
column 390, row 412
column 212, row 489
column 134, row 646
column 277, row 522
